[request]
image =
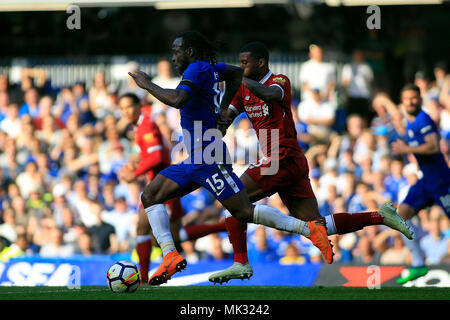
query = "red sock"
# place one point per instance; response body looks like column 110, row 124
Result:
column 143, row 250
column 237, row 233
column 346, row 222
column 196, row 231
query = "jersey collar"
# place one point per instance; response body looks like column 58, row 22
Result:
column 266, row 77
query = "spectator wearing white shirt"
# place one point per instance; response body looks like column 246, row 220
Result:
column 318, row 114
column 164, row 79
column 82, row 204
column 11, row 124
column 56, row 248
column 316, row 74
column 8, row 227
column 357, row 78
column 124, row 222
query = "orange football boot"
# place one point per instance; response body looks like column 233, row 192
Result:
column 172, row 263
column 318, row 236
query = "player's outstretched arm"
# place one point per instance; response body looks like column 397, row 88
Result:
column 171, row 97
column 233, row 79
column 266, row 93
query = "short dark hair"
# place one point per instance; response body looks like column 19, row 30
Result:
column 257, row 49
column 203, row 48
column 410, row 86
column 132, row 96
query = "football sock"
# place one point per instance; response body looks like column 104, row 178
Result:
column 414, row 247
column 160, row 223
column 237, row 234
column 274, row 218
column 144, row 248
column 350, row 222
column 196, row 231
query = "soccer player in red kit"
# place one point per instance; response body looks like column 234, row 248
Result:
column 266, row 98
column 154, row 157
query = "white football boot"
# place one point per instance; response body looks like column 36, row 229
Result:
column 392, row 219
column 236, row 271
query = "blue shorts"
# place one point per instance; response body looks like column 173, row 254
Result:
column 423, row 194
column 219, row 179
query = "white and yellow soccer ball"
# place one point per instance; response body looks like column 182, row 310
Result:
column 123, row 277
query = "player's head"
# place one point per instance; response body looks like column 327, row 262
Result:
column 254, row 59
column 411, row 99
column 191, row 46
column 130, row 107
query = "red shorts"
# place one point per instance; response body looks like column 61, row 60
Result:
column 291, row 180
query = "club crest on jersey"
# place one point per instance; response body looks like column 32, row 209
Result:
column 148, row 137
column 279, row 80
column 247, row 98
column 265, row 109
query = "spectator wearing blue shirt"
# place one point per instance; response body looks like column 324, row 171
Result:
column 194, row 204
column 434, row 245
column 395, row 181
column 31, row 105
column 259, row 249
column 4, row 102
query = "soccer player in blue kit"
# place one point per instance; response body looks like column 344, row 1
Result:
column 434, row 187
column 197, row 96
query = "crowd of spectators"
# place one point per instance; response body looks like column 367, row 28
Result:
column 62, row 149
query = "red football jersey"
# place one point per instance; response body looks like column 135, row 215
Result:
column 269, row 116
column 153, row 152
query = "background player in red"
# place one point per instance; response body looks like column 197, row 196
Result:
column 154, row 156
column 266, row 98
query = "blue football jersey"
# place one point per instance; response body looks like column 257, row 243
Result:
column 433, row 166
column 201, row 81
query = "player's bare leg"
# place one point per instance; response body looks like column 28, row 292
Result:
column 155, row 194
column 144, row 245
column 418, row 268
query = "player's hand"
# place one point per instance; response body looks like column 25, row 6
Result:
column 223, row 123
column 399, row 147
column 141, row 78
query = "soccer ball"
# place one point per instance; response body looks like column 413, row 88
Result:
column 123, row 276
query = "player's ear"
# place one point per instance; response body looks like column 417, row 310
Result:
column 190, row 51
column 261, row 62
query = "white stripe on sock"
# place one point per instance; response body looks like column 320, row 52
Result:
column 228, row 178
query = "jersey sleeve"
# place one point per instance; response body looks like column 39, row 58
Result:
column 237, row 104
column 191, row 80
column 282, row 82
column 220, row 68
column 427, row 126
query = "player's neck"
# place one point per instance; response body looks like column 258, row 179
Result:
column 262, row 75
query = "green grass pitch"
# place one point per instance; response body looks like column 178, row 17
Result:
column 225, row 293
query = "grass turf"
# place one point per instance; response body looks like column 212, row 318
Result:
column 226, row 293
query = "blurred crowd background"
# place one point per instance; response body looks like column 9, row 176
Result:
column 62, row 147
